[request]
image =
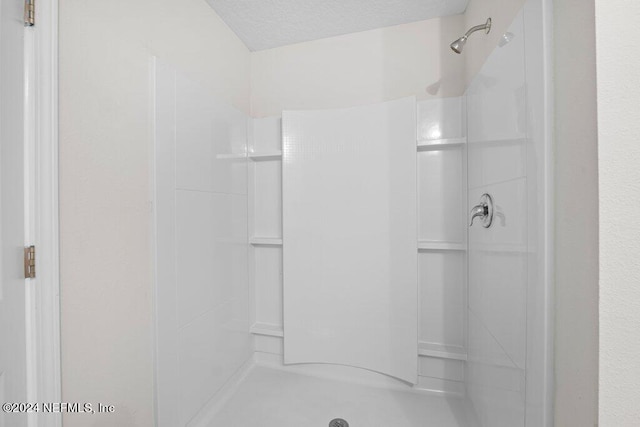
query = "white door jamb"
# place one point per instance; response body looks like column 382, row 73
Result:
column 42, row 229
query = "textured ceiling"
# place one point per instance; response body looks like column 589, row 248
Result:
column 264, row 24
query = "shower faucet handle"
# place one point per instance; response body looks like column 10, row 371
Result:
column 478, row 211
column 484, row 211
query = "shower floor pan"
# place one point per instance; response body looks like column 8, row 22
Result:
column 275, row 398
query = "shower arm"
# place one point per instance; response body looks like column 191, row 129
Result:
column 486, row 27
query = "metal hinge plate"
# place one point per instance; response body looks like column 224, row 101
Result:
column 29, row 13
column 30, row 262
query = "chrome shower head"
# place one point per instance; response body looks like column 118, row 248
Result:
column 458, row 45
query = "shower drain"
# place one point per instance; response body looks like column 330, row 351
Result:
column 338, row 422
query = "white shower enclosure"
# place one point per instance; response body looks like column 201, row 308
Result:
column 322, row 262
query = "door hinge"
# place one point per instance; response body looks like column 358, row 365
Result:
column 30, row 262
column 29, row 13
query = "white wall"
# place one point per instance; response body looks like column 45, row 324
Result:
column 105, row 141
column 576, row 205
column 618, row 68
column 358, row 69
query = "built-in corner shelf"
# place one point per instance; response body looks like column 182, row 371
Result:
column 267, row 329
column 429, row 245
column 441, row 351
column 440, row 144
column 265, row 241
column 266, row 155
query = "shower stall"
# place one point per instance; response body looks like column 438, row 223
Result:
column 367, row 265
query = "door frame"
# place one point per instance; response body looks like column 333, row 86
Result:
column 41, row 211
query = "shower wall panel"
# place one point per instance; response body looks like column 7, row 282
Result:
column 201, row 246
column 350, row 226
column 508, row 151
